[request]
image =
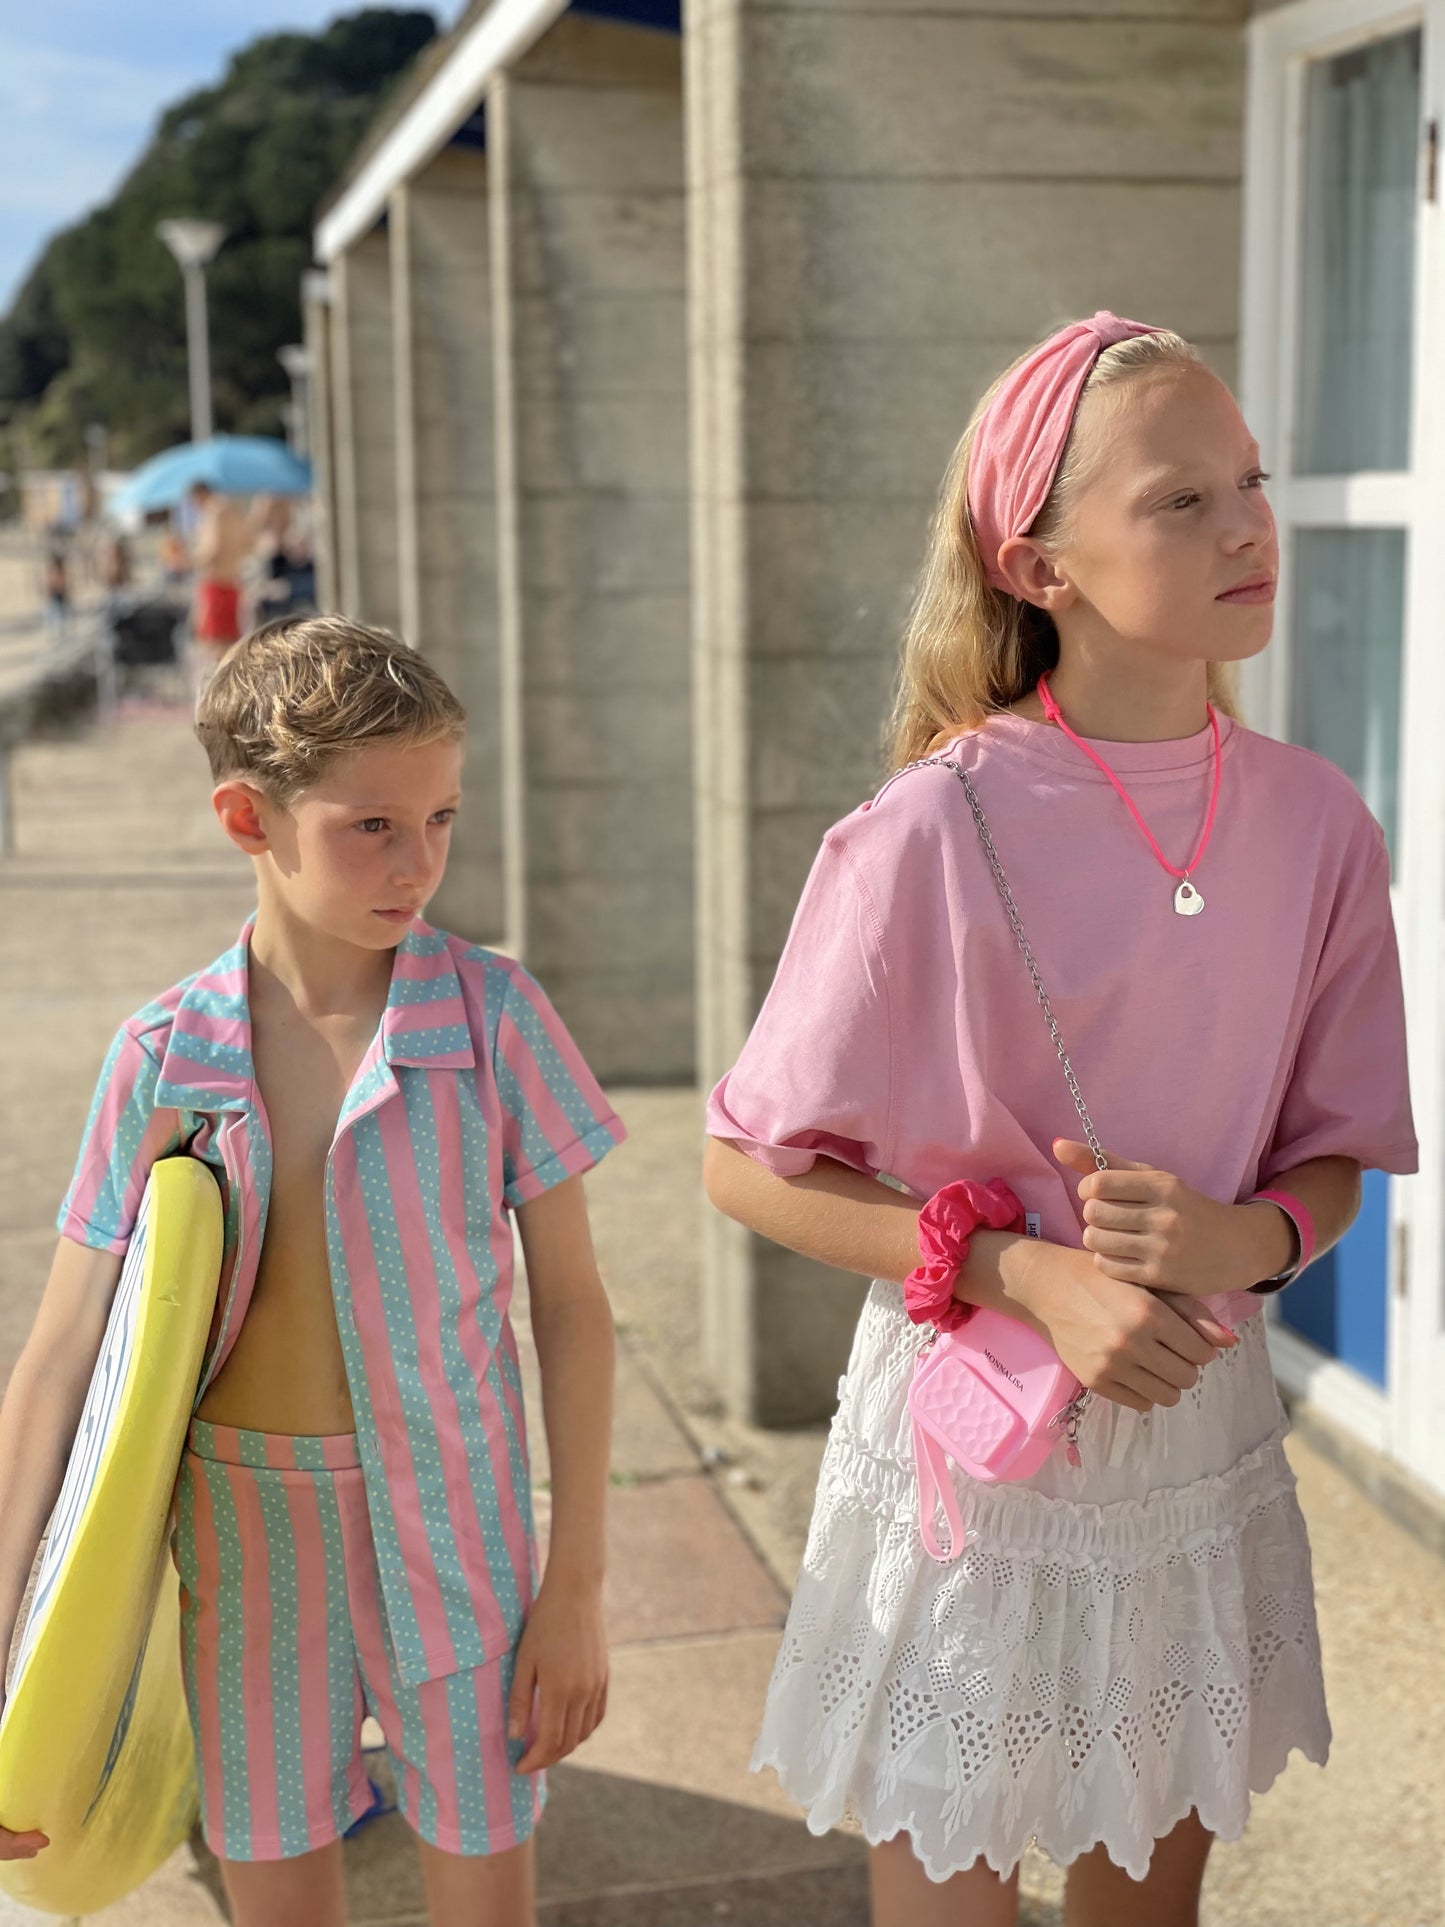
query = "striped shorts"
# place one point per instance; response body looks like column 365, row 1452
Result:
column 285, row 1649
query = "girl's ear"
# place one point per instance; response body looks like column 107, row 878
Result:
column 1032, row 576
column 240, row 808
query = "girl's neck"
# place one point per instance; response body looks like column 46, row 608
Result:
column 1114, row 704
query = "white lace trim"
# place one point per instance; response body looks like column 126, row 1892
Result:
column 1085, row 1672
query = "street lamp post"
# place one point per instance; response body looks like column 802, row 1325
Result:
column 297, row 363
column 194, row 243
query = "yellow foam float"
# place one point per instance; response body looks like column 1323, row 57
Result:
column 95, row 1748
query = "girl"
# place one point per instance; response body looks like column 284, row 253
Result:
column 1126, row 1647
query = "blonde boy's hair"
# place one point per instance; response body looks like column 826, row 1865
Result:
column 292, row 697
column 970, row 649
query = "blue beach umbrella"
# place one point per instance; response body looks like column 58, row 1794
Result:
column 230, row 464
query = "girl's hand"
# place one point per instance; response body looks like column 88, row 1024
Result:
column 562, row 1659
column 1147, row 1227
column 1125, row 1343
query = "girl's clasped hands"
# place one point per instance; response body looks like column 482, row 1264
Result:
column 1128, row 1314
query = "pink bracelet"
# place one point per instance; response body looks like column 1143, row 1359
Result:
column 1304, row 1226
column 945, row 1225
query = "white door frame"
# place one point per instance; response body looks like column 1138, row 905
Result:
column 1409, row 1421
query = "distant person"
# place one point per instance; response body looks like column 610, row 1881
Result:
column 225, row 537
column 57, row 592
column 175, row 558
column 115, row 570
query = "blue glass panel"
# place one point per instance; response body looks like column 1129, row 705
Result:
column 1341, row 1304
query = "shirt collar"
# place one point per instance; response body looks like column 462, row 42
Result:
column 207, row 1064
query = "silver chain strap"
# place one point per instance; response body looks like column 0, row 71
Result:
column 1015, row 924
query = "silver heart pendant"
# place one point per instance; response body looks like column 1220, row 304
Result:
column 1187, row 900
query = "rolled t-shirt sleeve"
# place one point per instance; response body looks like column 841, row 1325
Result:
column 556, row 1120
column 124, row 1136
column 1349, row 1089
column 815, row 1076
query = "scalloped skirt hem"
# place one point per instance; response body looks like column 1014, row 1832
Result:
column 823, row 1810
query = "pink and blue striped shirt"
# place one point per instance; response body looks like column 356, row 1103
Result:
column 471, row 1100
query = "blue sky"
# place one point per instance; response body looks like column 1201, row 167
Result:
column 81, row 83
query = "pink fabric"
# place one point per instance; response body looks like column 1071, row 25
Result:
column 945, row 1225
column 207, row 1662
column 901, row 1034
column 256, row 1689
column 1019, row 443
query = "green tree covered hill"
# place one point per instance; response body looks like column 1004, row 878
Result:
column 97, row 331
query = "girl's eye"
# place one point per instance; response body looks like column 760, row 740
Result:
column 444, row 816
column 372, row 824
column 1258, row 479
column 1186, row 501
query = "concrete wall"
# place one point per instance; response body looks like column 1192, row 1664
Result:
column 585, row 159
column 887, row 203
column 316, row 334
column 364, row 432
column 446, row 501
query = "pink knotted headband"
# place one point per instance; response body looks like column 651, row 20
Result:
column 1019, row 442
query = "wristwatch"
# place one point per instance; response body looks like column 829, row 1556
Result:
column 1304, row 1231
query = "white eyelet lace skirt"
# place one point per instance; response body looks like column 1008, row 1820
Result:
column 1117, row 1644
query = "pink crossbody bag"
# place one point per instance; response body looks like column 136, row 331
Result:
column 993, row 1396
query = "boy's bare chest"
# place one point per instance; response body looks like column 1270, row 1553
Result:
column 303, row 1076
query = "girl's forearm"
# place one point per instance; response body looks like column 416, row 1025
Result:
column 843, row 1217
column 1328, row 1188
column 576, row 1352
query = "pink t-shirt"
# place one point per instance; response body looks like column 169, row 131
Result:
column 902, row 1036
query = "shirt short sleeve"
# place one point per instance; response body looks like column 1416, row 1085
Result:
column 815, row 1076
column 124, row 1136
column 556, row 1120
column 1349, row 1092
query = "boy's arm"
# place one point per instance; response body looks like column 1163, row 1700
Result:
column 39, row 1418
column 563, row 1652
column 41, row 1410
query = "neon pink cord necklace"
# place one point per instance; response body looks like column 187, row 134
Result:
column 1187, row 900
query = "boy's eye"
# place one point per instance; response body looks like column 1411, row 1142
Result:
column 1258, row 479
column 371, row 824
column 1185, row 501
column 444, row 816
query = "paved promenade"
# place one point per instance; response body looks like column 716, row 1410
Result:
column 121, row 884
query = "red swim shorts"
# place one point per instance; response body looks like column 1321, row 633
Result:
column 218, row 612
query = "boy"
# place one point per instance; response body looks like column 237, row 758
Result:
column 354, row 1520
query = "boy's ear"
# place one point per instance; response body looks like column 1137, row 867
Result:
column 240, row 806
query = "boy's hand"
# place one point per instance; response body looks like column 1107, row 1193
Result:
column 1147, row 1227
column 562, row 1658
column 20, row 1846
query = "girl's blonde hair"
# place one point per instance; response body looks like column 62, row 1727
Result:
column 969, row 649
column 294, row 696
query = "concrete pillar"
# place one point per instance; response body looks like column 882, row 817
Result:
column 365, row 432
column 446, row 503
column 879, row 221
column 585, row 163
column 316, row 333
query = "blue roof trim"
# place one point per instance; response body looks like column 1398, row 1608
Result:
column 473, row 132
column 665, row 15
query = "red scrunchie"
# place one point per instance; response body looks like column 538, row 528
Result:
column 945, row 1225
